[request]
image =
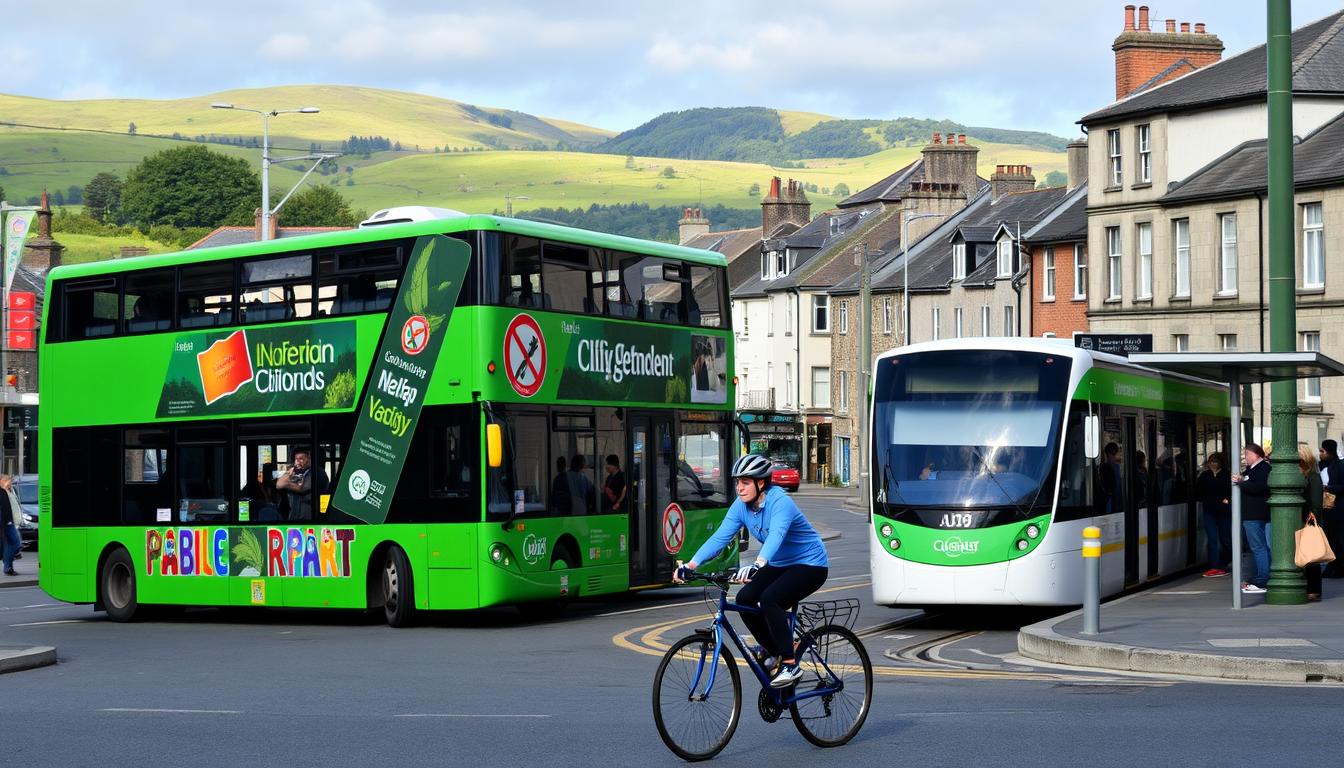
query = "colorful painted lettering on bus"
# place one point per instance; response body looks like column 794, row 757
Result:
column 312, row 552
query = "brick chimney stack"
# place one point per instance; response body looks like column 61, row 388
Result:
column 41, row 252
column 952, row 162
column 256, row 226
column 800, row 208
column 784, row 205
column 1142, row 54
column 1008, row 179
column 691, row 226
column 1077, row 154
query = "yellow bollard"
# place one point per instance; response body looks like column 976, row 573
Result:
column 1091, row 580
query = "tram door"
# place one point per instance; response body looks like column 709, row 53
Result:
column 1130, row 503
column 651, row 455
column 1150, row 472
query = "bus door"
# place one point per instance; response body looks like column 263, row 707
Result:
column 1129, row 503
column 650, row 461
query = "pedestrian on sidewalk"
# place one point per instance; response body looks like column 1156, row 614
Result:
column 10, row 515
column 1214, row 491
column 1254, row 483
column 1332, row 515
column 1311, row 492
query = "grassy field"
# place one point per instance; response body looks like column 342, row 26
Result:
column 81, row 249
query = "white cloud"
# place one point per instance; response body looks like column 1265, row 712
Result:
column 287, row 46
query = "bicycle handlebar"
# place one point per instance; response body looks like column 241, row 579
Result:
column 721, row 578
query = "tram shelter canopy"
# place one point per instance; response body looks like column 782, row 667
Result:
column 1236, row 369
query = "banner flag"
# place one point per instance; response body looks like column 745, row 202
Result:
column 18, row 225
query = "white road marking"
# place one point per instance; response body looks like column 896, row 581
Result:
column 897, row 637
column 45, row 623
column 450, row 714
column 133, row 710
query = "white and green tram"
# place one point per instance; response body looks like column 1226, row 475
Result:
column 990, row 457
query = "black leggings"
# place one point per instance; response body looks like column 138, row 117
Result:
column 775, row 590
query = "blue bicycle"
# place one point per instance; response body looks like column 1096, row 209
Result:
column 697, row 691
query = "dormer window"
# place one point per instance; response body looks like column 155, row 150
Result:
column 781, row 263
column 765, row 265
column 1005, row 257
column 959, row 261
column 835, row 225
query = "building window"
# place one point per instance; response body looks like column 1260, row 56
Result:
column 765, row 265
column 1113, row 275
column 959, row 261
column 957, row 322
column 1227, row 262
column 937, row 316
column 844, row 317
column 844, row 392
column 1117, row 169
column 1311, row 342
column 1313, row 249
column 770, row 316
column 770, row 378
column 1181, row 341
column 781, row 263
column 1009, row 321
column 1079, row 271
column 789, row 299
column 984, row 321
column 821, row 314
column 746, row 325
column 886, row 315
column 1145, row 262
column 788, row 384
column 1006, row 257
column 1048, row 275
column 821, row 387
column 1227, row 342
column 1145, row 140
column 1180, row 237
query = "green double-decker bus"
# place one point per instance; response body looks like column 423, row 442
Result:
column 433, row 411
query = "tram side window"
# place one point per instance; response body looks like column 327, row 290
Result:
column 1075, row 482
column 357, row 282
column 205, row 295
column 147, row 304
column 91, row 308
column 700, row 481
column 1109, row 483
column 147, row 490
column 650, row 288
column 204, row 493
column 573, row 486
column 706, row 298
column 570, row 276
column 84, row 483
column 522, row 273
column 277, row 289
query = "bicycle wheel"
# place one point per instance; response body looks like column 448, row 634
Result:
column 836, row 661
column 693, row 725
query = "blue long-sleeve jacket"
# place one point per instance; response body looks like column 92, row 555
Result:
column 785, row 535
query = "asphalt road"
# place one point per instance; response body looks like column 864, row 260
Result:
column 207, row 688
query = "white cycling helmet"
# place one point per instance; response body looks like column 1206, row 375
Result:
column 752, row 465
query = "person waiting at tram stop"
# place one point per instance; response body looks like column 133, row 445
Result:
column 791, row 564
column 1254, row 483
column 1213, row 489
column 299, row 482
column 1312, row 494
column 1332, row 514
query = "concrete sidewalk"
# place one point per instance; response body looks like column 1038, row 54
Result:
column 1188, row 627
column 27, row 568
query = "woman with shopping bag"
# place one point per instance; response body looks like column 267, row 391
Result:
column 1312, row 548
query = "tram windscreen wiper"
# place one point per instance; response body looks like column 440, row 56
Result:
column 889, row 482
column 989, row 471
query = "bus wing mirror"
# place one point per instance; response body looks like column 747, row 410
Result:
column 1092, row 436
column 494, row 444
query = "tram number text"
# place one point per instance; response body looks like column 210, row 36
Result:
column 957, row 520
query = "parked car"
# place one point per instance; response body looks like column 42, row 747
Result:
column 784, row 476
column 26, row 488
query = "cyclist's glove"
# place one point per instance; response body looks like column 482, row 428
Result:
column 745, row 574
column 683, row 573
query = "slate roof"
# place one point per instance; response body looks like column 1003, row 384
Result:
column 240, row 235
column 977, row 234
column 1318, row 69
column 1317, row 160
column 892, row 188
column 1068, row 222
column 817, row 271
column 807, row 243
column 730, row 243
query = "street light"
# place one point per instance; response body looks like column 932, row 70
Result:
column 508, row 203
column 906, row 218
column 266, row 115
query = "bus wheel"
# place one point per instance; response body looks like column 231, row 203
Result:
column 116, row 584
column 398, row 596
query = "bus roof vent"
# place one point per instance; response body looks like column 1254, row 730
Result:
column 408, row 213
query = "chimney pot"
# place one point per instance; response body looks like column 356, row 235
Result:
column 1143, row 18
column 1199, row 28
column 1185, row 27
column 1129, row 18
column 937, row 137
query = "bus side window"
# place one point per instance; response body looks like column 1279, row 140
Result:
column 148, row 301
column 522, row 273
column 147, row 491
column 568, row 271
column 91, row 308
column 205, row 295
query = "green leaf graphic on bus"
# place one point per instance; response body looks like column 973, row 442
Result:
column 247, row 552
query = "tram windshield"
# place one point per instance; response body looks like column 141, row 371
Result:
column 975, row 431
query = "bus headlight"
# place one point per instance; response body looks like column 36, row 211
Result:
column 895, row 544
column 1022, row 545
column 1033, row 531
column 886, row 530
column 497, row 553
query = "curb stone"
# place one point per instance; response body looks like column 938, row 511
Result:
column 18, row 658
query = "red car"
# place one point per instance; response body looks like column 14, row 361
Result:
column 784, row 476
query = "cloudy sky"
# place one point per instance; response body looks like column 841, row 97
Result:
column 1034, row 64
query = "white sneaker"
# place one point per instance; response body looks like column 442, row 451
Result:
column 1251, row 589
column 788, row 675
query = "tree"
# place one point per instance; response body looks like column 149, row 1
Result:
column 317, row 206
column 669, row 172
column 2, row 193
column 189, row 187
column 630, row 162
column 102, row 196
column 1054, row 179
column 754, row 190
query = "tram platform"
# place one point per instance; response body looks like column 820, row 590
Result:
column 1188, row 627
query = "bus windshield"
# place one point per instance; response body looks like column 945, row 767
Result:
column 976, row 431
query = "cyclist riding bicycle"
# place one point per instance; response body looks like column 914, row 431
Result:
column 791, row 565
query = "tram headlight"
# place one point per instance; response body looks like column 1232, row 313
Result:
column 895, row 544
column 1033, row 531
column 1022, row 545
column 886, row 530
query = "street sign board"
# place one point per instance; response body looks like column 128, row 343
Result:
column 22, row 320
column 22, row 340
column 22, row 300
column 1114, row 343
